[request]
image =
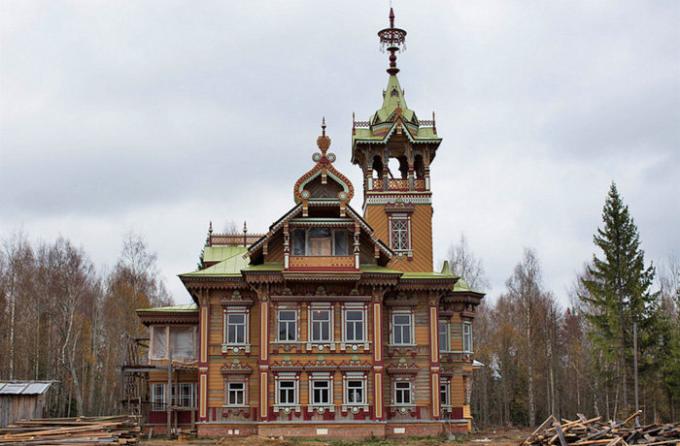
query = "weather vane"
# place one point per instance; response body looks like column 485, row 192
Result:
column 392, row 39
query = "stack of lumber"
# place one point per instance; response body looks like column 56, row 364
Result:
column 81, row 431
column 594, row 432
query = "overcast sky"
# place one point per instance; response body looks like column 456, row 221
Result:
column 159, row 116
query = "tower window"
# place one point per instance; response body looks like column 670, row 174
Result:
column 400, row 237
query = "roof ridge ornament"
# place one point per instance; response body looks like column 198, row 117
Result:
column 392, row 39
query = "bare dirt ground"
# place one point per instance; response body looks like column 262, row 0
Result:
column 499, row 437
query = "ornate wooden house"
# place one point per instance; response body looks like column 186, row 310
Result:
column 333, row 322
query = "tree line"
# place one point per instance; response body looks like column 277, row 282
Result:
column 64, row 320
column 542, row 358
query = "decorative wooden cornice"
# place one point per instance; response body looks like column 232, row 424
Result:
column 236, row 368
column 236, row 300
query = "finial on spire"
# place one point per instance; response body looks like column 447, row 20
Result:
column 245, row 234
column 392, row 39
column 323, row 141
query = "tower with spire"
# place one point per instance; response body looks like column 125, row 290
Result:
column 395, row 149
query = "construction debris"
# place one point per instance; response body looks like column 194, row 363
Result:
column 594, row 432
column 81, row 431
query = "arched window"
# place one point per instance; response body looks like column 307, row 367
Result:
column 419, row 167
column 377, row 167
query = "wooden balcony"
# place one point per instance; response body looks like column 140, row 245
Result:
column 321, row 263
column 394, row 184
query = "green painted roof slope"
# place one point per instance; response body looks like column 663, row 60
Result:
column 393, row 98
column 219, row 253
column 188, row 308
column 231, row 266
column 426, row 275
column 377, row 269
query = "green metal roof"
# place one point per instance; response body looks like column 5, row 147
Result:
column 188, row 308
column 231, row 266
column 426, row 275
column 219, row 253
column 371, row 268
column 264, row 267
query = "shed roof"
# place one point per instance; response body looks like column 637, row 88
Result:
column 24, row 387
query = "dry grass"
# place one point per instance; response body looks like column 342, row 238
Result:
column 500, row 437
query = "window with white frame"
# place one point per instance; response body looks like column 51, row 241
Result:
column 467, row 337
column 236, row 393
column 287, row 392
column 402, row 328
column 158, row 397
column 444, row 336
column 186, row 394
column 403, row 393
column 445, row 393
column 321, row 391
column 287, row 321
column 355, row 391
column 321, row 325
column 400, row 237
column 355, row 324
column 236, row 328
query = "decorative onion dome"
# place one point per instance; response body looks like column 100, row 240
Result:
column 307, row 189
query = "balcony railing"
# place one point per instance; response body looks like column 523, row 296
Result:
column 321, row 262
column 397, row 184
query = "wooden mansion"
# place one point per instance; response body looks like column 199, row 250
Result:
column 333, row 322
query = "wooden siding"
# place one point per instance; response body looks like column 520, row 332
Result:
column 421, row 236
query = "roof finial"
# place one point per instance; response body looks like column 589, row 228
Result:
column 323, row 141
column 392, row 39
column 245, row 234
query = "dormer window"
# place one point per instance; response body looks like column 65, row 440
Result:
column 320, row 242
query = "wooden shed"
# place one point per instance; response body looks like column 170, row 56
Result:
column 22, row 400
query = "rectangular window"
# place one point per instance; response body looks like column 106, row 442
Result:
column 467, row 337
column 341, row 243
column 400, row 239
column 158, row 397
column 159, row 342
column 186, row 394
column 354, row 325
column 183, row 343
column 319, row 240
column 236, row 328
column 321, row 392
column 287, row 325
column 321, row 325
column 355, row 391
column 444, row 345
column 402, row 392
column 444, row 394
column 299, row 242
column 236, row 394
column 402, row 328
column 287, row 392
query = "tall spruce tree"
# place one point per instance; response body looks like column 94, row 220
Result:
column 617, row 294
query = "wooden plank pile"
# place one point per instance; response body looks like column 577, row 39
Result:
column 594, row 432
column 81, row 431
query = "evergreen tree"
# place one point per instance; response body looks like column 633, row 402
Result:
column 617, row 294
